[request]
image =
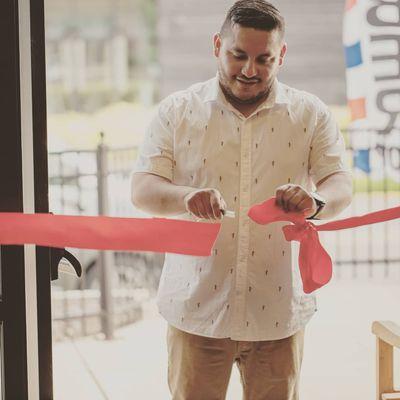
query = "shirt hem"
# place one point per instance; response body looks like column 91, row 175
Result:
column 291, row 332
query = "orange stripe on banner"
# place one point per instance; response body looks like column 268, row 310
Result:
column 357, row 108
column 350, row 4
column 109, row 233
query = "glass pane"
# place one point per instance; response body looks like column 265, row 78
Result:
column 107, row 71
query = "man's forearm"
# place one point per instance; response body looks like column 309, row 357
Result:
column 158, row 196
column 337, row 189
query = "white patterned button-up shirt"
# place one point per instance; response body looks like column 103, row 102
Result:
column 250, row 287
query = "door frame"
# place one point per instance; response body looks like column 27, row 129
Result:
column 25, row 307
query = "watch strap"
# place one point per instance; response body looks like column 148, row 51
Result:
column 320, row 205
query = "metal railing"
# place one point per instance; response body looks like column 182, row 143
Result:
column 370, row 252
column 114, row 285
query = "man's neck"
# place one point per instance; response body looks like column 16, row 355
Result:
column 245, row 109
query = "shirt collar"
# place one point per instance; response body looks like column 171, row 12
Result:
column 278, row 95
column 214, row 93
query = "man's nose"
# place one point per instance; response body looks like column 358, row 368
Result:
column 249, row 69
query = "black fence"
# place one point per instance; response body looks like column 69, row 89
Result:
column 370, row 252
column 115, row 285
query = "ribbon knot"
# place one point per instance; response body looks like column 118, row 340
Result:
column 314, row 262
column 298, row 231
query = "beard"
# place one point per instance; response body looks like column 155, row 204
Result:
column 233, row 99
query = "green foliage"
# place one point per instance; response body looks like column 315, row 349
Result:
column 368, row 185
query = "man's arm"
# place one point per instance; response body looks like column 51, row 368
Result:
column 159, row 196
column 336, row 189
column 327, row 154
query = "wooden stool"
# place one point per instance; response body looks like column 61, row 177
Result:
column 387, row 337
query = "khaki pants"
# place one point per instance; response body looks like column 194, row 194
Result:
column 199, row 367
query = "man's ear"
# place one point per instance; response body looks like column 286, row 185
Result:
column 217, row 44
column 282, row 53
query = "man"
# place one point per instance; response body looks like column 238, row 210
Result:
column 227, row 144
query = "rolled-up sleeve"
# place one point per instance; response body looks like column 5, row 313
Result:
column 155, row 154
column 328, row 150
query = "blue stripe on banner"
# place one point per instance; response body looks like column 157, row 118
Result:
column 353, row 55
column 361, row 160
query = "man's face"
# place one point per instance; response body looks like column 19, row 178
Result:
column 248, row 62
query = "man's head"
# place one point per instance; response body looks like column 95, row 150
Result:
column 250, row 48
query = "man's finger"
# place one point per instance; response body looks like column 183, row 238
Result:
column 294, row 201
column 206, row 206
column 309, row 206
column 223, row 204
column 286, row 195
column 278, row 201
column 197, row 206
column 302, row 204
column 194, row 211
column 216, row 207
column 206, row 209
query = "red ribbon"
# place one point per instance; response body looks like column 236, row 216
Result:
column 109, row 233
column 177, row 236
column 314, row 262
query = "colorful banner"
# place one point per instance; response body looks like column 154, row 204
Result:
column 371, row 37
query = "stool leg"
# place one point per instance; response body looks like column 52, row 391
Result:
column 384, row 368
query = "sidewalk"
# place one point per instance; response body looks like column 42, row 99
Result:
column 339, row 361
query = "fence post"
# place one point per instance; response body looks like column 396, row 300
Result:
column 105, row 258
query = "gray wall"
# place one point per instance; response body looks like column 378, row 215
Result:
column 315, row 60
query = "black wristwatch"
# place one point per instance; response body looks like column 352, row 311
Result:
column 320, row 201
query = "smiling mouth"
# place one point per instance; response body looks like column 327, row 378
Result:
column 247, row 82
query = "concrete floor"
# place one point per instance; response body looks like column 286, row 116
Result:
column 339, row 361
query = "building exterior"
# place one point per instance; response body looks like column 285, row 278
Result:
column 99, row 51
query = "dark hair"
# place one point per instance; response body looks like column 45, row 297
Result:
column 257, row 14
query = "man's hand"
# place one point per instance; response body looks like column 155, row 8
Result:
column 296, row 199
column 205, row 203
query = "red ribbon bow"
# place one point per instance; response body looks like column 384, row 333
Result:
column 314, row 262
